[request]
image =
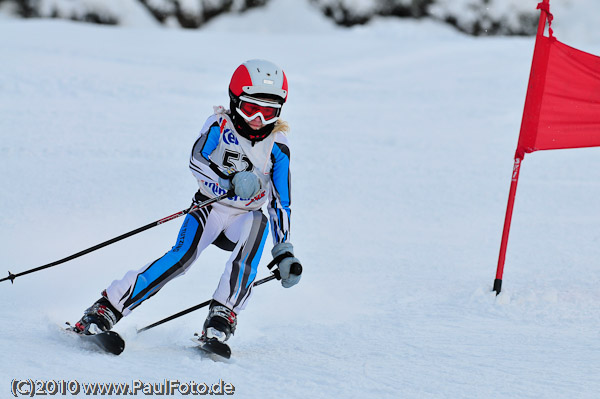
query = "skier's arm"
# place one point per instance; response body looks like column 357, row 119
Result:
column 280, row 201
column 202, row 167
column 280, row 212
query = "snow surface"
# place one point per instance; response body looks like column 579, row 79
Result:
column 403, row 134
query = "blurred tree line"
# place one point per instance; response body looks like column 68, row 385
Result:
column 475, row 17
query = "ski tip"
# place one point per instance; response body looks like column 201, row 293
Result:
column 112, row 342
column 212, row 349
column 215, row 347
column 107, row 341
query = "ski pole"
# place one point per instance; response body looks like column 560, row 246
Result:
column 296, row 269
column 12, row 276
column 193, row 308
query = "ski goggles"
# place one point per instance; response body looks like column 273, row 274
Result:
column 250, row 108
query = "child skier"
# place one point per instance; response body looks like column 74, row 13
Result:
column 243, row 151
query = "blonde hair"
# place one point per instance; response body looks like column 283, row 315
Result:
column 281, row 126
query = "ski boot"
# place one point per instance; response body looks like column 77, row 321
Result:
column 219, row 326
column 99, row 317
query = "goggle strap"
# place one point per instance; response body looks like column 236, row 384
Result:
column 263, row 103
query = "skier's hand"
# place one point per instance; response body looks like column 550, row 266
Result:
column 245, row 184
column 290, row 268
column 225, row 183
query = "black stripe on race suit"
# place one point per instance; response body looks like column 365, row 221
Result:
column 200, row 172
column 259, row 225
column 262, row 225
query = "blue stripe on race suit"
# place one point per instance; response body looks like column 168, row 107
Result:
column 184, row 243
column 212, row 141
column 258, row 255
column 142, row 299
column 254, row 262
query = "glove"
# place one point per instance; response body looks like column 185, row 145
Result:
column 225, row 183
column 245, row 184
column 290, row 268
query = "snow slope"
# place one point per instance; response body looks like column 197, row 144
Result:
column 402, row 137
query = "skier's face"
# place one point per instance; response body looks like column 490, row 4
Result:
column 258, row 111
column 256, row 123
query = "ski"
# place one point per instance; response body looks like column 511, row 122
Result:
column 107, row 341
column 212, row 346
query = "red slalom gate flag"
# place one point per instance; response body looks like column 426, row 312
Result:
column 562, row 108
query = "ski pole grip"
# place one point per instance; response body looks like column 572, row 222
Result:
column 278, row 259
column 296, row 269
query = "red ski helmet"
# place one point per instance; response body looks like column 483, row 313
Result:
column 257, row 83
column 259, row 78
